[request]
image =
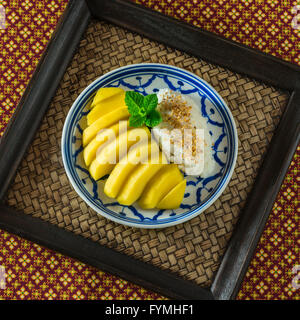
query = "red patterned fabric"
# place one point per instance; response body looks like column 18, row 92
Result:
column 273, row 269
column 29, row 271
column 267, row 25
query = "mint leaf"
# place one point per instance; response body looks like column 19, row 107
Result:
column 136, row 121
column 150, row 102
column 153, row 119
column 142, row 109
column 134, row 102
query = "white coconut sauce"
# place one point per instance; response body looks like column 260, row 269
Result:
column 183, row 134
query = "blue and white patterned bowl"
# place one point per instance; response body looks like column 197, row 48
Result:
column 149, row 78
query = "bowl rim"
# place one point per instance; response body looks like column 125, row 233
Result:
column 190, row 214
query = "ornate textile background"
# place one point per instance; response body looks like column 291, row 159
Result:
column 34, row 272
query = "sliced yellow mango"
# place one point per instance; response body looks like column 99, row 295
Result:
column 89, row 152
column 105, row 106
column 136, row 155
column 105, row 93
column 107, row 120
column 164, row 180
column 109, row 155
column 174, row 198
column 137, row 181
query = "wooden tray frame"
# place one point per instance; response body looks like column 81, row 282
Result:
column 194, row 41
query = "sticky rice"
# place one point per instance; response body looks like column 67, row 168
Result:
column 183, row 134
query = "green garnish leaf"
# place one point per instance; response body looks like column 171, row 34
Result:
column 142, row 109
column 136, row 121
column 153, row 119
column 150, row 102
column 134, row 101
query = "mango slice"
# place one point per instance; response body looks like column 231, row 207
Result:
column 137, row 181
column 138, row 154
column 89, row 152
column 159, row 186
column 174, row 198
column 105, row 93
column 109, row 155
column 105, row 106
column 137, row 169
column 107, row 120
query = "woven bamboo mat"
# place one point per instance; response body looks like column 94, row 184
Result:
column 192, row 250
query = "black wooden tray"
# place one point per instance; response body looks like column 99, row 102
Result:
column 200, row 44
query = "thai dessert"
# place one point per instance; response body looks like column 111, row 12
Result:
column 130, row 142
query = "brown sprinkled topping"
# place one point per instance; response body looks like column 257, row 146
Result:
column 176, row 113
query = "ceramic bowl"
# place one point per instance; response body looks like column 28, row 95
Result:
column 149, row 78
